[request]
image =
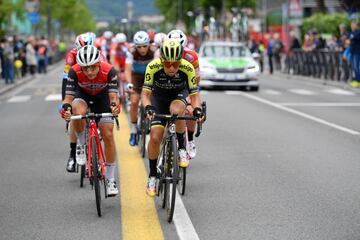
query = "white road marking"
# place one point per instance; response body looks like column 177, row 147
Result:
column 340, row 92
column 304, row 115
column 270, row 92
column 16, row 99
column 232, row 92
column 183, row 225
column 302, row 91
column 323, row 104
column 53, row 97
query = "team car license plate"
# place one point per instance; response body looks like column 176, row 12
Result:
column 230, row 77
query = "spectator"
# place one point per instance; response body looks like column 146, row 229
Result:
column 31, row 55
column 277, row 50
column 354, row 37
column 270, row 54
column 295, row 43
column 342, row 31
column 42, row 52
column 9, row 61
column 2, row 41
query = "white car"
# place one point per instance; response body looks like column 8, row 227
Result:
column 227, row 65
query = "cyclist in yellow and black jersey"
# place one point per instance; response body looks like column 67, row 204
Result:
column 168, row 81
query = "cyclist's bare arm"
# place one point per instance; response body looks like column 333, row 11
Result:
column 145, row 97
column 128, row 72
column 195, row 100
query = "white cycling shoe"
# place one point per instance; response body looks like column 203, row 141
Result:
column 80, row 155
column 192, row 149
column 111, row 188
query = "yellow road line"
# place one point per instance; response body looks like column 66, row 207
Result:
column 138, row 213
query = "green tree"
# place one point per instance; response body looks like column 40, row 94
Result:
column 78, row 20
column 7, row 8
column 324, row 23
column 240, row 3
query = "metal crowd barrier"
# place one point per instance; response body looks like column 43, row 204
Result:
column 321, row 64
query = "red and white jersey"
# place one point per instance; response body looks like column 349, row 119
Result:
column 119, row 52
column 192, row 57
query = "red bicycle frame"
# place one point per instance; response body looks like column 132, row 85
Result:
column 93, row 132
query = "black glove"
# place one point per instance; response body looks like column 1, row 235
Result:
column 65, row 107
column 198, row 113
column 149, row 110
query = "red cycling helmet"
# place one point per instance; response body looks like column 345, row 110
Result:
column 151, row 36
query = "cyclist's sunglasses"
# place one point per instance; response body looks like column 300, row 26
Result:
column 168, row 64
column 142, row 46
column 90, row 68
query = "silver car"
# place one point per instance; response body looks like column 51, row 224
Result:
column 227, row 65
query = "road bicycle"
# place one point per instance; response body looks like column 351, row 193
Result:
column 167, row 166
column 95, row 155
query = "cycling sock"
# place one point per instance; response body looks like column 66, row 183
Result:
column 110, row 171
column 133, row 128
column 72, row 149
column 152, row 165
column 181, row 140
column 81, row 138
column 190, row 136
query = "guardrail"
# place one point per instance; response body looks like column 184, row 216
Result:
column 321, row 64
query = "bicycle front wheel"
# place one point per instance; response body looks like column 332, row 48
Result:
column 96, row 175
column 172, row 179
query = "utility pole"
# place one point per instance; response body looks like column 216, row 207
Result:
column 264, row 13
column 49, row 20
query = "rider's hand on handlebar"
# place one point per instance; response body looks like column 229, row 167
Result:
column 66, row 111
column 199, row 114
column 150, row 112
column 115, row 108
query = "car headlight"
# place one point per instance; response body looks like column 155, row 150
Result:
column 253, row 69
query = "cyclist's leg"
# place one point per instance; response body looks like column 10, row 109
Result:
column 72, row 136
column 106, row 126
column 134, row 104
column 156, row 136
column 191, row 125
column 178, row 106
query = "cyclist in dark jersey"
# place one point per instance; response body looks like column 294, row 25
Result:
column 136, row 62
column 168, row 81
column 96, row 81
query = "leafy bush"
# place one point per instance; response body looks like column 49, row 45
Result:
column 324, row 23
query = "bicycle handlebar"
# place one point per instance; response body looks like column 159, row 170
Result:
column 93, row 116
column 176, row 117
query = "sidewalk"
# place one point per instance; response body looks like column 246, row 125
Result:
column 8, row 87
column 320, row 81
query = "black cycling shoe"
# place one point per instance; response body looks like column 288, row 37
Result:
column 70, row 166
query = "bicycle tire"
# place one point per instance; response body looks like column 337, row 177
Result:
column 95, row 172
column 162, row 183
column 82, row 175
column 182, row 180
column 174, row 177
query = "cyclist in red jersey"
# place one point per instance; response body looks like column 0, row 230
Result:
column 192, row 57
column 70, row 60
column 118, row 51
column 91, row 80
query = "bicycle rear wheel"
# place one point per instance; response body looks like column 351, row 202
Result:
column 96, row 175
column 82, row 175
column 172, row 179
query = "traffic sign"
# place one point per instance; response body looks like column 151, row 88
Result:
column 34, row 18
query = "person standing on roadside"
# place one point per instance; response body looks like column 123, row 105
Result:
column 9, row 61
column 31, row 59
column 354, row 49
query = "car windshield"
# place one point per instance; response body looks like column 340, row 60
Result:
column 225, row 51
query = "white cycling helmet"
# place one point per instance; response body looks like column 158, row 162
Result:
column 108, row 35
column 87, row 56
column 85, row 39
column 178, row 35
column 120, row 38
column 141, row 38
column 159, row 39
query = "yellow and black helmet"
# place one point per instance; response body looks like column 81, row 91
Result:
column 171, row 50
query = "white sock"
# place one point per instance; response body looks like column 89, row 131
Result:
column 133, row 128
column 81, row 138
column 110, row 172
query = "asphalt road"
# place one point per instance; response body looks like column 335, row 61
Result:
column 281, row 163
